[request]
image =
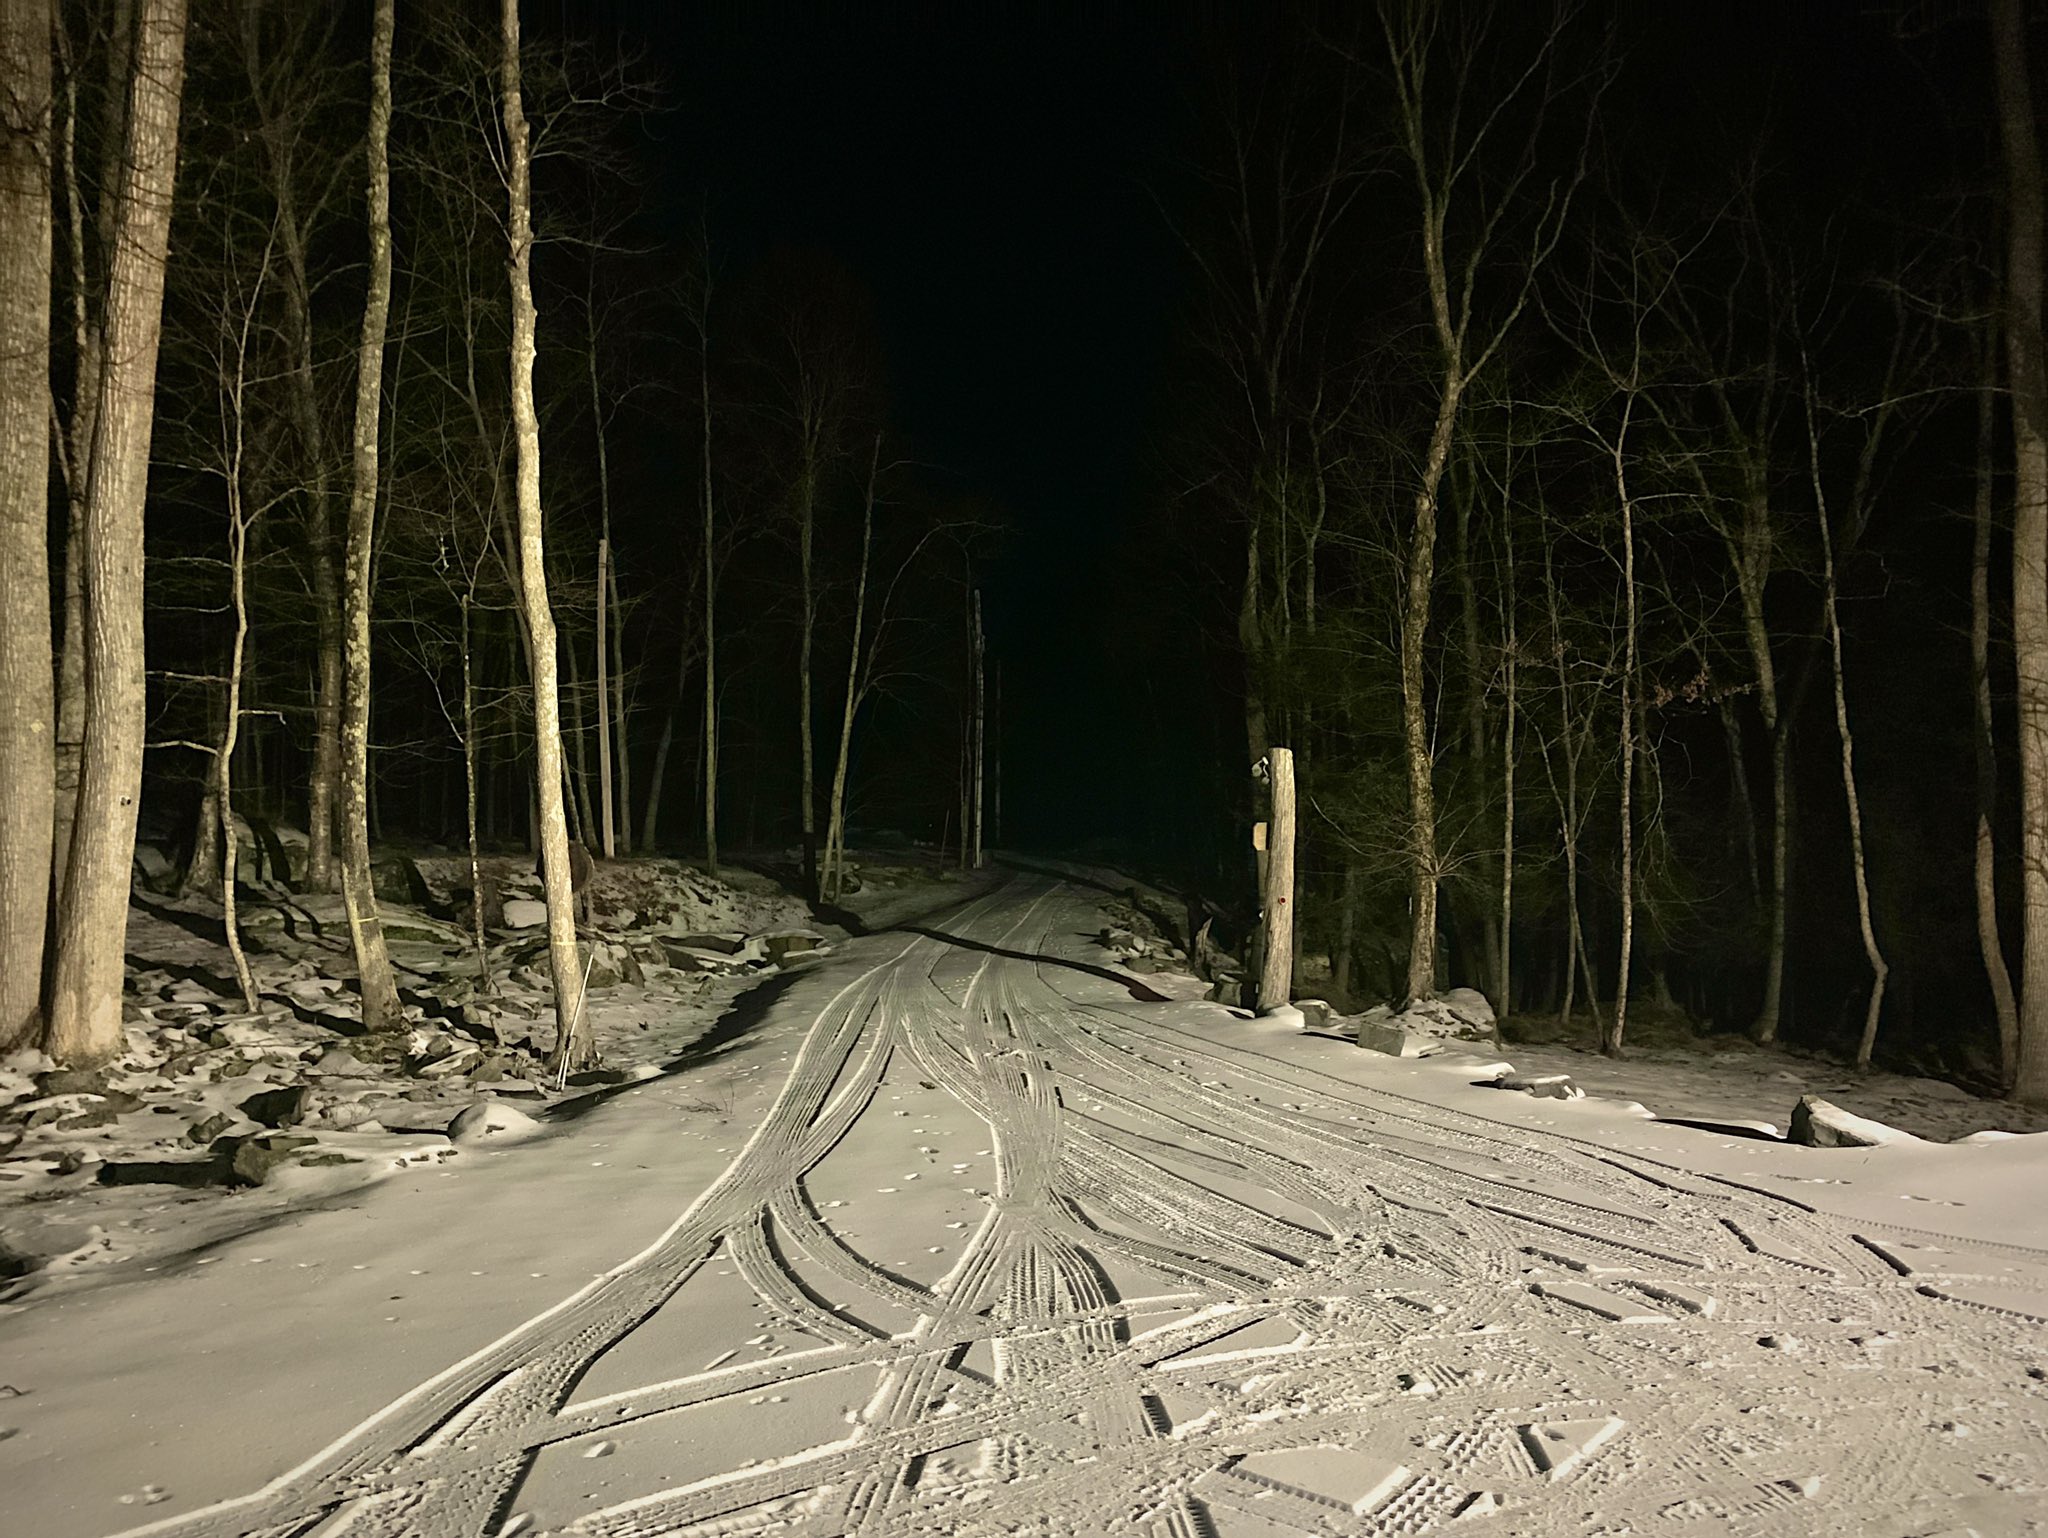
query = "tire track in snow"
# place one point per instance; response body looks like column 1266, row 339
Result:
column 1426, row 1317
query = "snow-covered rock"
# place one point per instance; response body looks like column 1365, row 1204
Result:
column 525, row 913
column 1819, row 1123
column 491, row 1121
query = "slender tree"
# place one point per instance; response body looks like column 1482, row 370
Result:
column 572, row 1044
column 27, row 692
column 382, row 1011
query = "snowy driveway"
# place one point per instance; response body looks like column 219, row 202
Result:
column 1013, row 1248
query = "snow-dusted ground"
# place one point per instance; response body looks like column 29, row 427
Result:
column 973, row 1232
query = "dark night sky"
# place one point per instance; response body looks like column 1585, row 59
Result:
column 989, row 172
column 989, row 177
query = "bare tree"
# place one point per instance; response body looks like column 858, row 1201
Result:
column 1435, row 61
column 572, row 1046
column 382, row 1011
column 27, row 693
column 285, row 90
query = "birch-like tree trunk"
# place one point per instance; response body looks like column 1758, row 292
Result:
column 710, row 594
column 83, row 1007
column 834, row 878
column 1859, row 867
column 2027, row 377
column 28, row 703
column 382, row 1011
column 1611, row 1038
column 572, row 1046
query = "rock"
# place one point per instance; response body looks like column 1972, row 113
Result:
column 1117, row 940
column 256, row 1157
column 1227, row 988
column 204, row 1132
column 92, row 1116
column 72, row 1081
column 1818, row 1123
column 346, row 1115
column 780, row 947
column 214, row 1170
column 29, row 1244
column 525, row 913
column 151, row 865
column 1285, row 1015
column 491, row 1121
column 341, row 1063
column 1379, row 1030
column 277, row 1107
column 1317, row 1012
column 1544, row 1086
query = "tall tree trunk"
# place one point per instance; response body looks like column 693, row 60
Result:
column 835, row 825
column 304, row 405
column 1421, row 574
column 572, row 1047
column 1504, row 1005
column 607, row 836
column 83, row 1009
column 1611, row 1038
column 28, row 702
column 382, row 1011
column 582, row 821
column 1831, row 614
column 224, row 760
column 2027, row 374
column 469, row 786
column 88, row 336
column 1984, row 739
column 623, row 748
column 807, row 509
column 980, row 732
column 710, row 601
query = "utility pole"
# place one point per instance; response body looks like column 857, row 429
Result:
column 1276, row 969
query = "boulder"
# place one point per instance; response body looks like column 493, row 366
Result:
column 1818, row 1123
column 1285, row 1015
column 284, row 1107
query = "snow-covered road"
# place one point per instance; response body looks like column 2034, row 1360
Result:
column 1009, row 1245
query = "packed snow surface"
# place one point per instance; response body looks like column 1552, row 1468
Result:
column 974, row 1231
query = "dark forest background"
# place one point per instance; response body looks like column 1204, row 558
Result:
column 1602, row 413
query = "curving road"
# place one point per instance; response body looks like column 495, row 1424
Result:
column 1018, row 1252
